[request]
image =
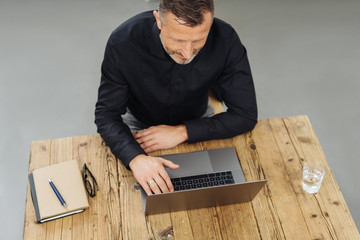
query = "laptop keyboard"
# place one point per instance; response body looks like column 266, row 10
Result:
column 202, row 181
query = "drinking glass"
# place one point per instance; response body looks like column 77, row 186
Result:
column 313, row 174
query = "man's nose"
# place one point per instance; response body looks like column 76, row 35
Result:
column 187, row 51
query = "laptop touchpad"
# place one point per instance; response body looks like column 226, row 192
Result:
column 224, row 159
column 190, row 164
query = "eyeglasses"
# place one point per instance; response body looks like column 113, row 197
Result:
column 90, row 181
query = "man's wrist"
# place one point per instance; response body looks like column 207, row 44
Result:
column 183, row 132
column 133, row 161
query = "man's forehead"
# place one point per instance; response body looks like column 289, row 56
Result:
column 188, row 34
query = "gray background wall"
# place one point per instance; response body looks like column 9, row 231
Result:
column 305, row 58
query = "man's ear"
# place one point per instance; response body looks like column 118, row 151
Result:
column 158, row 20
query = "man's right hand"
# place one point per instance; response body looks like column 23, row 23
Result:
column 150, row 173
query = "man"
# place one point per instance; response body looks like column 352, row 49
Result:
column 157, row 70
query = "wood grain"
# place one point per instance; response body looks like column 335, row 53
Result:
column 275, row 150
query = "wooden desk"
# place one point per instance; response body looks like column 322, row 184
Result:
column 275, row 150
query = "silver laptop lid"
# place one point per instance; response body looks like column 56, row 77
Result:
column 202, row 162
column 201, row 198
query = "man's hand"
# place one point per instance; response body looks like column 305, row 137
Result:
column 150, row 173
column 161, row 137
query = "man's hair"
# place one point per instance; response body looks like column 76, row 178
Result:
column 191, row 12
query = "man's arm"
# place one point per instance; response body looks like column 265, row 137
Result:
column 161, row 137
column 112, row 97
column 236, row 89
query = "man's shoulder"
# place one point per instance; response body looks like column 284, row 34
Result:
column 136, row 27
column 139, row 20
column 222, row 36
column 222, row 27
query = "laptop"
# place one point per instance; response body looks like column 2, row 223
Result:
column 205, row 179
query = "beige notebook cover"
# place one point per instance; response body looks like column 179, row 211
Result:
column 68, row 180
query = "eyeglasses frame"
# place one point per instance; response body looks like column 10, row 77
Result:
column 93, row 187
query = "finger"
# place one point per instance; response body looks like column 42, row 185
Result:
column 136, row 134
column 155, row 188
column 169, row 164
column 167, row 180
column 150, row 148
column 146, row 139
column 161, row 184
column 146, row 187
column 143, row 133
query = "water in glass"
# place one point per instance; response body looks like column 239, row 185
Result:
column 312, row 179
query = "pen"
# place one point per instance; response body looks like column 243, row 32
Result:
column 62, row 201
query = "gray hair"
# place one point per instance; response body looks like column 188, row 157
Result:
column 191, row 12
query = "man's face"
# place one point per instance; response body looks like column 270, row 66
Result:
column 182, row 42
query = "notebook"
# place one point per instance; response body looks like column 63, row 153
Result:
column 219, row 166
column 67, row 179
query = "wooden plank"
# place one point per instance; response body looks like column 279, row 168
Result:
column 74, row 227
column 60, row 150
column 181, row 225
column 204, row 224
column 282, row 196
column 160, row 226
column 333, row 211
column 113, row 195
column 133, row 222
column 106, row 196
column 39, row 157
column 237, row 221
column 269, row 226
column 215, row 103
column 85, row 151
column 293, row 163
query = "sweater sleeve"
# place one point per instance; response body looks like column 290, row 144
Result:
column 111, row 104
column 236, row 88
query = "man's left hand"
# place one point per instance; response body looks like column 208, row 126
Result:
column 161, row 137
